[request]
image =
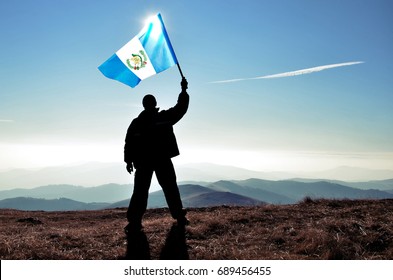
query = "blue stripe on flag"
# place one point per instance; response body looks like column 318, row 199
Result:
column 115, row 69
column 158, row 46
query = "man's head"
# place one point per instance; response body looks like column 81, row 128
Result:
column 149, row 102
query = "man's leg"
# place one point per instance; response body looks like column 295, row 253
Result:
column 166, row 177
column 138, row 202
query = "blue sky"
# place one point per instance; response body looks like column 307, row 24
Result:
column 57, row 108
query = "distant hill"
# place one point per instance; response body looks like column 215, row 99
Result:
column 157, row 199
column 255, row 192
column 382, row 185
column 235, row 192
column 95, row 174
column 289, row 191
column 61, row 204
column 321, row 189
column 87, row 174
column 196, row 196
column 219, row 199
column 103, row 193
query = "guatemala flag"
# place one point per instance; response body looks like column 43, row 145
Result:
column 148, row 53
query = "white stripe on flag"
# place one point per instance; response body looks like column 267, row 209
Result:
column 135, row 58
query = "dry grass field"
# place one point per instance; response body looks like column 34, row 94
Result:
column 312, row 229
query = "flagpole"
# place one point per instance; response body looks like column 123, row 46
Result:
column 181, row 73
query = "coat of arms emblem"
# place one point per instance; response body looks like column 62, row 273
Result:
column 137, row 61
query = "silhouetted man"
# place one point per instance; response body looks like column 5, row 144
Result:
column 149, row 146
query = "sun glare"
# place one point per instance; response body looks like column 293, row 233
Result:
column 149, row 19
column 154, row 24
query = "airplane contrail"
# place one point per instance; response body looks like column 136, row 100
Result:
column 293, row 73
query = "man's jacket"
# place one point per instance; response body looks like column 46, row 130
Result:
column 150, row 136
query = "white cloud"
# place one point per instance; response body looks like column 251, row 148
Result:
column 293, row 73
column 6, row 121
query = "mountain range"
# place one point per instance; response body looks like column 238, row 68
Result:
column 61, row 204
column 95, row 174
column 224, row 192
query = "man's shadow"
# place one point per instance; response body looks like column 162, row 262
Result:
column 175, row 247
column 137, row 246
